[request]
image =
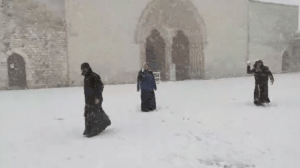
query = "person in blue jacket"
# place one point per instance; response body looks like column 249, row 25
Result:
column 146, row 83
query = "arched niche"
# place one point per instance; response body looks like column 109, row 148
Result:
column 16, row 69
column 181, row 56
column 29, row 79
column 155, row 53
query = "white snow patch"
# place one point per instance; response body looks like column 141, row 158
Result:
column 198, row 124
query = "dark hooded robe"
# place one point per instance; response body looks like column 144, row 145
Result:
column 96, row 119
column 146, row 83
column 261, row 82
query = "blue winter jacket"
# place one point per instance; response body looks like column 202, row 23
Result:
column 146, row 81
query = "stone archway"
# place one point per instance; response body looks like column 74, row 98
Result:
column 181, row 56
column 168, row 17
column 16, row 71
column 155, row 53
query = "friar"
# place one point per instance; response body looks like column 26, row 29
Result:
column 146, row 83
column 96, row 119
column 262, row 74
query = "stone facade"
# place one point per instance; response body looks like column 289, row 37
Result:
column 271, row 27
column 213, row 38
column 221, row 37
column 174, row 20
column 116, row 34
column 39, row 37
column 291, row 56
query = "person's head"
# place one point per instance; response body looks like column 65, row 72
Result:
column 85, row 68
column 146, row 66
column 258, row 64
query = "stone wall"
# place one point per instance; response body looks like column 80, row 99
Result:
column 271, row 27
column 39, row 36
column 291, row 57
column 111, row 36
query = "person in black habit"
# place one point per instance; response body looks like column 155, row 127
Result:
column 146, row 83
column 96, row 119
column 261, row 75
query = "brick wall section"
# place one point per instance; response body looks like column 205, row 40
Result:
column 45, row 48
column 47, row 55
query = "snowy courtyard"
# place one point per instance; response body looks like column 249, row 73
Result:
column 198, row 124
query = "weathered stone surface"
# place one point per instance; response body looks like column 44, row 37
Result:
column 39, row 36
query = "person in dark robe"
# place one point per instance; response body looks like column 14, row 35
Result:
column 146, row 83
column 96, row 119
column 261, row 75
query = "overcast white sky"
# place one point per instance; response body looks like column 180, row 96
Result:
column 290, row 2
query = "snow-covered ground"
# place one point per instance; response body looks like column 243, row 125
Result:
column 198, row 124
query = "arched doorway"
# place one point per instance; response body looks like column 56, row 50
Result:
column 156, row 54
column 168, row 16
column 285, row 62
column 16, row 71
column 181, row 56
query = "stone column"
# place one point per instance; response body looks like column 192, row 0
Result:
column 168, row 35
